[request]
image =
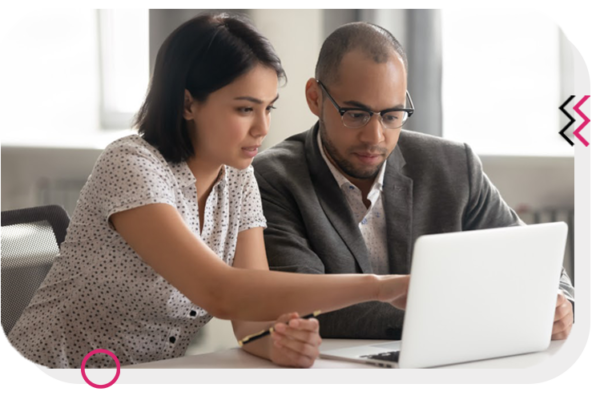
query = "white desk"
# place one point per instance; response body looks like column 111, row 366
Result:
column 238, row 358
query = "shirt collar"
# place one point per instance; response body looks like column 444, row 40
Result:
column 341, row 179
column 185, row 176
column 182, row 171
column 223, row 177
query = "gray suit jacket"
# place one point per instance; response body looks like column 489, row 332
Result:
column 431, row 185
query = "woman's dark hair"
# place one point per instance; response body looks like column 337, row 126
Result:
column 203, row 55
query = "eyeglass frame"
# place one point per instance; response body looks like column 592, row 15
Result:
column 344, row 110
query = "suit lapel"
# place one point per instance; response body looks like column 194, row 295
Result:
column 398, row 203
column 334, row 203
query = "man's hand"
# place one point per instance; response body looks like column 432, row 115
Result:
column 563, row 318
column 295, row 344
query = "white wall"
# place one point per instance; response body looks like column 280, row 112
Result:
column 49, row 73
column 297, row 37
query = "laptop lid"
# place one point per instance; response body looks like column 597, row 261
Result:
column 482, row 294
column 475, row 310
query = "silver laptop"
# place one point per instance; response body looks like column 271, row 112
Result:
column 475, row 295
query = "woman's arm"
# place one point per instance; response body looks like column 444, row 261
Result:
column 295, row 344
column 161, row 238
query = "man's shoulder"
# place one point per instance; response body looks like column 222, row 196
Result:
column 421, row 150
column 287, row 155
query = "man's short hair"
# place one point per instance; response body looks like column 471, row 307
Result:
column 373, row 40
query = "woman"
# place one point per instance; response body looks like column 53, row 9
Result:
column 167, row 231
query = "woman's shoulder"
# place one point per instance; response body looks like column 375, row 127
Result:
column 134, row 145
column 132, row 150
column 128, row 173
column 133, row 159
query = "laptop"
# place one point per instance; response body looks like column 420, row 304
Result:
column 475, row 295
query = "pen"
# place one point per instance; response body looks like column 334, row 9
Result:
column 265, row 332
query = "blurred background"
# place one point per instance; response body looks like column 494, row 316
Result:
column 72, row 80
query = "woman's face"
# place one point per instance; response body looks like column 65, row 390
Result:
column 230, row 125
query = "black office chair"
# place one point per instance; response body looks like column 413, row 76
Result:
column 31, row 238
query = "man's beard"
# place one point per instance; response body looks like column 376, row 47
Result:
column 345, row 165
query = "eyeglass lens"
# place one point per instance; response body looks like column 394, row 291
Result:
column 390, row 120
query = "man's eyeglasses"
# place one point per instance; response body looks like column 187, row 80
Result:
column 356, row 117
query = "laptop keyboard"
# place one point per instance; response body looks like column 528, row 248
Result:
column 393, row 356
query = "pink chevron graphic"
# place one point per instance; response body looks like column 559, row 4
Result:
column 586, row 121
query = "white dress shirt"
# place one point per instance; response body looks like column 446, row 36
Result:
column 371, row 221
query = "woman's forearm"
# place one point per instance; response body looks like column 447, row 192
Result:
column 264, row 295
column 261, row 347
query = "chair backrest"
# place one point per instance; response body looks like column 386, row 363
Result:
column 31, row 238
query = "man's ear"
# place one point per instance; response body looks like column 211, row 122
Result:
column 314, row 97
column 188, row 100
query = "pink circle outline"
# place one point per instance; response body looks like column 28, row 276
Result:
column 92, row 384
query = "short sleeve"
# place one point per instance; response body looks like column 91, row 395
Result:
column 127, row 175
column 252, row 212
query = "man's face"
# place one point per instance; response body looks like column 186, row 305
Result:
column 359, row 153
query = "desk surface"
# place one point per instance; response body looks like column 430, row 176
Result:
column 238, row 358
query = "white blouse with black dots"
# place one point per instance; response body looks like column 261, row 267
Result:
column 99, row 294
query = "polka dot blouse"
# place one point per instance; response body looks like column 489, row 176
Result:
column 99, row 294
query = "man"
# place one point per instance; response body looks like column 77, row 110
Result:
column 352, row 194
